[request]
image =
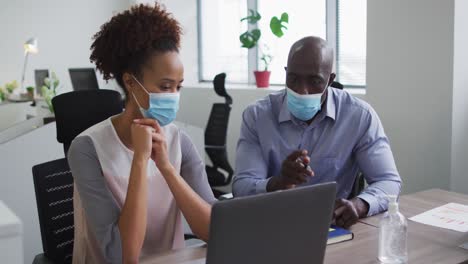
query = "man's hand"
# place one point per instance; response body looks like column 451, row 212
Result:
column 348, row 212
column 294, row 170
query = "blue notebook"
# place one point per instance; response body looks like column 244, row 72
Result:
column 338, row 234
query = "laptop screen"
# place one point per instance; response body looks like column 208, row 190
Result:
column 83, row 79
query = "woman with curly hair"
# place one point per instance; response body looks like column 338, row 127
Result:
column 136, row 173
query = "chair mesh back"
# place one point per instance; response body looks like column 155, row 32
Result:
column 77, row 111
column 218, row 157
column 53, row 184
column 216, row 129
column 215, row 138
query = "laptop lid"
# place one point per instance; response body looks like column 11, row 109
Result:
column 83, row 79
column 280, row 227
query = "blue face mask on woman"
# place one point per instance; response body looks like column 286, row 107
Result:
column 303, row 106
column 163, row 107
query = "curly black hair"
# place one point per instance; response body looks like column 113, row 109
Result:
column 127, row 41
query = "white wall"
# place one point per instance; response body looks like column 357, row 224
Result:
column 64, row 30
column 17, row 157
column 196, row 103
column 409, row 77
column 186, row 13
column 459, row 180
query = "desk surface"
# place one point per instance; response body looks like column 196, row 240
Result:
column 426, row 244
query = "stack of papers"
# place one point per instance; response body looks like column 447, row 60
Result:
column 451, row 216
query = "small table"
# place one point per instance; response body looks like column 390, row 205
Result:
column 17, row 98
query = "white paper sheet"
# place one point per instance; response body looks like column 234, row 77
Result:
column 450, row 216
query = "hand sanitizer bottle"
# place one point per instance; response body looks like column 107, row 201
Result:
column 393, row 235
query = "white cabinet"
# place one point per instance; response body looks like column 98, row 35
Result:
column 11, row 242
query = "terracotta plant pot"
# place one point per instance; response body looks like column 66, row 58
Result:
column 262, row 78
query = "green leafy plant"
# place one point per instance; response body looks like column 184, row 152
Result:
column 278, row 25
column 11, row 86
column 7, row 89
column 2, row 93
column 266, row 57
column 251, row 38
column 30, row 90
column 49, row 90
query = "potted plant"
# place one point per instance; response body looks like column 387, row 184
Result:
column 11, row 86
column 49, row 90
column 3, row 93
column 7, row 90
column 251, row 38
column 30, row 90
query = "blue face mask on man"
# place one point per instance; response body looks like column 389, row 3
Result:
column 303, row 106
column 163, row 107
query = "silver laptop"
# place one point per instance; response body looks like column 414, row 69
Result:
column 281, row 227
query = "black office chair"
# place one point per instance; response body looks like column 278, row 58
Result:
column 220, row 173
column 53, row 184
column 337, row 85
column 77, row 111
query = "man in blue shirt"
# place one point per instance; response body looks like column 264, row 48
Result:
column 311, row 133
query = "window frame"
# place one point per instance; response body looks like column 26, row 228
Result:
column 332, row 33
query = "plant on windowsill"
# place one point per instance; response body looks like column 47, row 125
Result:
column 251, row 39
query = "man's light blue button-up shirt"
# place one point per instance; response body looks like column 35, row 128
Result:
column 345, row 137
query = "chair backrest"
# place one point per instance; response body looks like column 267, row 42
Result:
column 337, row 85
column 216, row 129
column 358, row 185
column 53, row 184
column 216, row 136
column 220, row 88
column 77, row 111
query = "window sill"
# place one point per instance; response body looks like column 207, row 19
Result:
column 233, row 86
column 241, row 86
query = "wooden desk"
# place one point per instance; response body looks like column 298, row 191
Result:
column 190, row 255
column 196, row 255
column 362, row 249
column 426, row 244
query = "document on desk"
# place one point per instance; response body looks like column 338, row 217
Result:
column 451, row 216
